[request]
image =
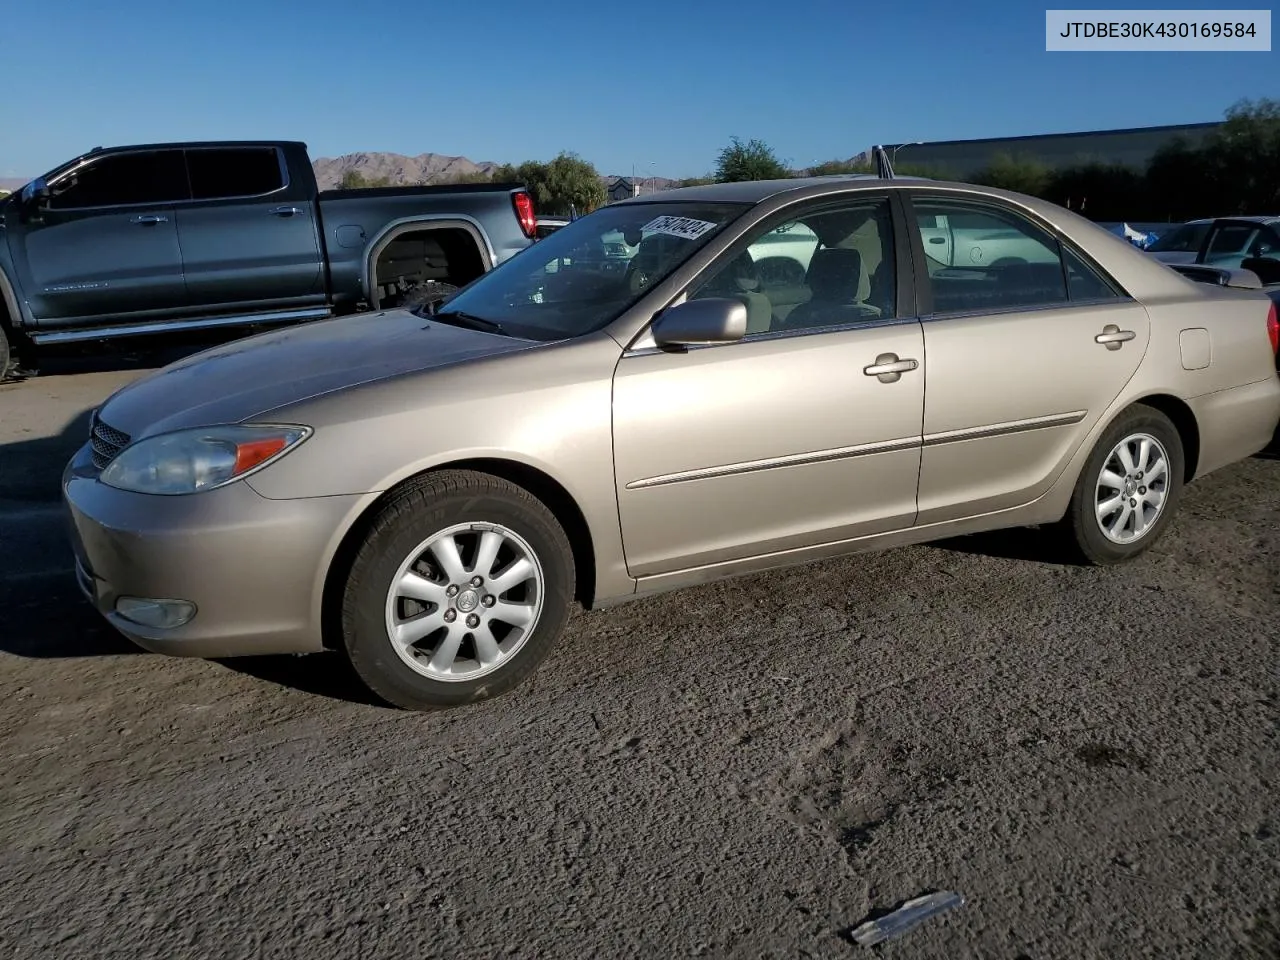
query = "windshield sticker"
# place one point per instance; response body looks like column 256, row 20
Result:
column 683, row 227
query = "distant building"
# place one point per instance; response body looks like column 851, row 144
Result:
column 622, row 189
column 1132, row 147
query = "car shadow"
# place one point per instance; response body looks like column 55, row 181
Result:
column 1017, row 543
column 328, row 675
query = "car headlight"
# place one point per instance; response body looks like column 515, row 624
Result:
column 190, row 461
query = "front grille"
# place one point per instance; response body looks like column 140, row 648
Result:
column 106, row 442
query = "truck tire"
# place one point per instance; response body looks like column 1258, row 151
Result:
column 431, row 290
column 6, row 354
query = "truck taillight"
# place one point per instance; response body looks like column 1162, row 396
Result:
column 524, row 212
column 1273, row 329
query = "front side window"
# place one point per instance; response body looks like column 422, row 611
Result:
column 586, row 274
column 223, row 173
column 830, row 266
column 122, row 179
column 989, row 259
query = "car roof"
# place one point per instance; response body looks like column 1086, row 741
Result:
column 756, row 191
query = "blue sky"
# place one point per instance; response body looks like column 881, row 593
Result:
column 662, row 85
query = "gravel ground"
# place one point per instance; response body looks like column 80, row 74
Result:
column 744, row 769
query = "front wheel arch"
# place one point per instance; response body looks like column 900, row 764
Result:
column 539, row 484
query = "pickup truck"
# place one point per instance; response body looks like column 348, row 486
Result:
column 169, row 237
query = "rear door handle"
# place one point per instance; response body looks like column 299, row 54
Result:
column 1113, row 337
column 283, row 211
column 889, row 368
column 148, row 218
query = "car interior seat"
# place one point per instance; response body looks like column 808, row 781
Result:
column 740, row 280
column 834, row 277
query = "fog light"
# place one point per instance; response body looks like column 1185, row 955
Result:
column 155, row 613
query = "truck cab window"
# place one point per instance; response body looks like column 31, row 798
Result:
column 234, row 172
column 123, row 179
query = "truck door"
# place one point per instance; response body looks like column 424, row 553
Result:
column 106, row 243
column 249, row 234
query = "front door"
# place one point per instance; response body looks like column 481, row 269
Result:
column 107, row 245
column 1022, row 363
column 249, row 236
column 805, row 432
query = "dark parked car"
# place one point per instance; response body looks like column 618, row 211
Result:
column 167, row 237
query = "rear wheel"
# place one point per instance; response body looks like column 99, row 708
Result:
column 6, row 354
column 1129, row 489
column 459, row 591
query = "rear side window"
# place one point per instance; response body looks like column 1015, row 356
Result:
column 123, row 179
column 234, row 172
column 1084, row 282
column 985, row 259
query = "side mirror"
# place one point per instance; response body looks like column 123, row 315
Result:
column 35, row 194
column 703, row 321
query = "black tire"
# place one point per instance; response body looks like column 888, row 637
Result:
column 1081, row 530
column 6, row 354
column 407, row 519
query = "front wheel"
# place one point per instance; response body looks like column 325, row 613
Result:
column 459, row 591
column 1129, row 489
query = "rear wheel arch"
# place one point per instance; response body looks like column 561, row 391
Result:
column 463, row 243
column 1184, row 420
column 545, row 488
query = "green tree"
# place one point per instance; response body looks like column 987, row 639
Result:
column 695, row 181
column 475, row 176
column 830, row 168
column 354, row 180
column 753, row 160
column 1019, row 174
column 555, row 186
column 573, row 182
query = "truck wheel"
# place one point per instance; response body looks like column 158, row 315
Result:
column 425, row 292
column 1129, row 488
column 461, row 588
column 7, row 360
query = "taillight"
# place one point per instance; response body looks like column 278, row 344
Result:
column 1273, row 329
column 524, row 212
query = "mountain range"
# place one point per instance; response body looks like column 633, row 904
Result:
column 424, row 168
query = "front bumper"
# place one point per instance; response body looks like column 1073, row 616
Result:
column 253, row 567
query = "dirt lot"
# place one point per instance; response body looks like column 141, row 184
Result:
column 748, row 769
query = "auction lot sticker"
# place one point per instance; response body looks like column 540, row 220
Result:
column 1121, row 31
column 683, row 227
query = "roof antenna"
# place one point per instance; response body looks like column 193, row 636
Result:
column 884, row 169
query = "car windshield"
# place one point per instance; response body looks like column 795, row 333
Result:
column 586, row 274
column 1186, row 239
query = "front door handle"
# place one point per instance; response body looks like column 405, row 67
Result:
column 1114, row 337
column 284, row 211
column 149, row 218
column 889, row 368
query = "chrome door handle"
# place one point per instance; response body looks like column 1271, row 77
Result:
column 283, row 211
column 147, row 218
column 1113, row 336
column 889, row 368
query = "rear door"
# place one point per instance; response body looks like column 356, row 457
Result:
column 1025, row 351
column 107, row 244
column 248, row 236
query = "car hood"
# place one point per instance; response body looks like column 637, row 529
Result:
column 250, row 377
